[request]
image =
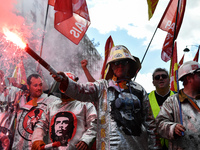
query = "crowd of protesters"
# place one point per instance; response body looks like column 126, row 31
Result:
column 106, row 114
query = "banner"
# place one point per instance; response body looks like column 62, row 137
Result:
column 167, row 23
column 196, row 58
column 71, row 19
column 174, row 68
column 151, row 7
column 51, row 2
column 109, row 44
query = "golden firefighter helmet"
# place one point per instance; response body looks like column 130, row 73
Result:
column 120, row 52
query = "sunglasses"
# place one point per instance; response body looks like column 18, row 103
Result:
column 122, row 62
column 164, row 76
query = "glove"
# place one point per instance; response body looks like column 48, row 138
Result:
column 37, row 145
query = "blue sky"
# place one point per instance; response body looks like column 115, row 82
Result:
column 127, row 22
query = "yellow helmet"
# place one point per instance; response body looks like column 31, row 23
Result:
column 120, row 52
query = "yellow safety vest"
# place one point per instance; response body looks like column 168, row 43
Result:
column 156, row 109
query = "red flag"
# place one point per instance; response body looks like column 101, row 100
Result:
column 109, row 44
column 19, row 73
column 151, row 7
column 174, row 68
column 167, row 23
column 51, row 2
column 71, row 19
column 181, row 61
column 196, row 58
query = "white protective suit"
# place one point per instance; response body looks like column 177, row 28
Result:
column 169, row 116
column 122, row 128
column 27, row 117
column 81, row 126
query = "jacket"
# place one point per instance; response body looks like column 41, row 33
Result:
column 169, row 116
column 27, row 116
column 121, row 125
column 83, row 123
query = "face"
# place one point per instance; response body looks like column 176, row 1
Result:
column 161, row 80
column 196, row 82
column 120, row 68
column 35, row 88
column 61, row 124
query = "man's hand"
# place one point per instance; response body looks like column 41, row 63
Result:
column 81, row 146
column 84, row 63
column 179, row 129
column 63, row 79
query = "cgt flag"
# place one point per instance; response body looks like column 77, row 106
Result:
column 109, row 44
column 151, row 7
column 196, row 58
column 71, row 18
column 167, row 23
column 173, row 70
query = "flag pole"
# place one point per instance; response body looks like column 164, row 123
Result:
column 149, row 45
column 45, row 23
column 180, row 109
column 147, row 49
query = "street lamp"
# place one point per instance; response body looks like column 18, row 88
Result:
column 187, row 49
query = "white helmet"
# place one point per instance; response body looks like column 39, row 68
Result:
column 187, row 68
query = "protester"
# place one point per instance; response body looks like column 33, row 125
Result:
column 84, row 63
column 179, row 119
column 9, row 95
column 71, row 122
column 123, row 104
column 31, row 108
column 161, row 81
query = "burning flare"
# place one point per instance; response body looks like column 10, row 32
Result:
column 13, row 37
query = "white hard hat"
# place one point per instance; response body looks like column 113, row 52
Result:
column 187, row 68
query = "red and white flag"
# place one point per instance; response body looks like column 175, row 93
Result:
column 196, row 58
column 109, row 44
column 167, row 23
column 71, row 18
column 181, row 61
column 151, row 7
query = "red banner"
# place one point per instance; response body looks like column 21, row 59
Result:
column 51, row 2
column 167, row 24
column 109, row 44
column 151, row 7
column 174, row 68
column 72, row 19
column 196, row 58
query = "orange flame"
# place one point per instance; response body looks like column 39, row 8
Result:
column 13, row 37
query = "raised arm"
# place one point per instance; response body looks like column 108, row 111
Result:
column 86, row 71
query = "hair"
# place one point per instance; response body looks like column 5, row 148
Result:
column 158, row 70
column 70, row 127
column 31, row 76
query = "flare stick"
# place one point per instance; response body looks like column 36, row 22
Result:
column 40, row 60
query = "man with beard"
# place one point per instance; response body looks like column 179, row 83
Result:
column 161, row 82
column 31, row 107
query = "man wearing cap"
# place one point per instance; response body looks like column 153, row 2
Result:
column 179, row 117
column 122, row 104
column 161, row 82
